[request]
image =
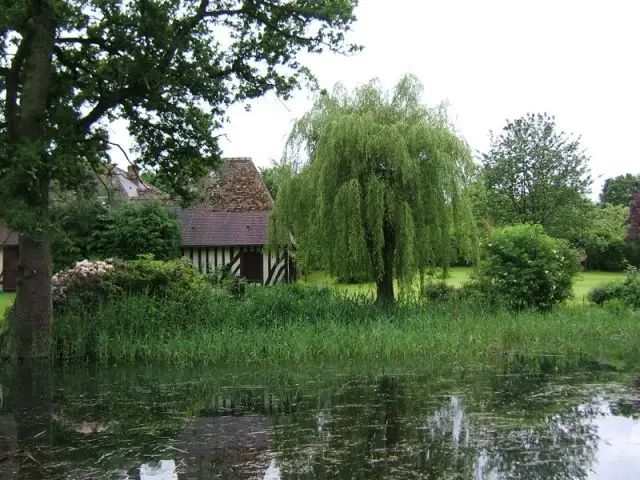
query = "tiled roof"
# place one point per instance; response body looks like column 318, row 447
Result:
column 236, row 187
column 234, row 210
column 202, row 228
column 7, row 237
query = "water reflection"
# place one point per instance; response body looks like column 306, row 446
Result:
column 175, row 425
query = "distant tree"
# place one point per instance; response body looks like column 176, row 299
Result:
column 275, row 175
column 633, row 234
column 150, row 177
column 537, row 174
column 618, row 190
column 383, row 189
column 610, row 218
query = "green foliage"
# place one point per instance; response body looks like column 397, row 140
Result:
column 537, row 174
column 161, row 66
column 632, row 253
column 149, row 177
column 383, row 190
column 603, row 243
column 477, row 191
column 618, row 190
column 602, row 251
column 77, row 224
column 610, row 218
column 88, row 229
column 169, row 70
column 155, row 278
column 275, row 175
column 291, row 324
column 437, row 291
column 139, row 228
column 528, row 268
column 623, row 292
column 224, row 279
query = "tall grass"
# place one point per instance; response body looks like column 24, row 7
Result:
column 295, row 324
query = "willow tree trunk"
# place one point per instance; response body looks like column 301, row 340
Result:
column 26, row 126
column 384, row 285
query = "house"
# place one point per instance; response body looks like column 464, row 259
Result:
column 8, row 258
column 125, row 185
column 229, row 227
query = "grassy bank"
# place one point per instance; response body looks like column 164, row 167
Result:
column 291, row 324
column 584, row 282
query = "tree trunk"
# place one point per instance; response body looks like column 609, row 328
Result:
column 384, row 285
column 28, row 147
column 33, row 312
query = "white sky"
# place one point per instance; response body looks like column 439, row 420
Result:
column 490, row 60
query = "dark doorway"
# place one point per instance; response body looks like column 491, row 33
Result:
column 9, row 268
column 251, row 266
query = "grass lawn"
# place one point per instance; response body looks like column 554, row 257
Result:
column 584, row 282
column 6, row 300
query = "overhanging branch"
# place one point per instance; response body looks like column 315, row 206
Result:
column 88, row 41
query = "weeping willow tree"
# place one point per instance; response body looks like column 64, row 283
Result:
column 379, row 187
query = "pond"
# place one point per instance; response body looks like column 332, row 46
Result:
column 327, row 422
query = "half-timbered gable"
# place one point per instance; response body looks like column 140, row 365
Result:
column 230, row 226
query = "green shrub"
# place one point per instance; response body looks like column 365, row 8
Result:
column 223, row 279
column 603, row 251
column 622, row 292
column 89, row 284
column 78, row 223
column 437, row 291
column 528, row 268
column 632, row 253
column 139, row 228
column 91, row 230
column 156, row 277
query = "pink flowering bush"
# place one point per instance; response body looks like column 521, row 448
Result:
column 85, row 278
column 90, row 283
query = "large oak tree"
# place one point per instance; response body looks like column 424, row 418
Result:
column 169, row 68
column 381, row 190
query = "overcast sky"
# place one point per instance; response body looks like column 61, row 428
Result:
column 490, row 60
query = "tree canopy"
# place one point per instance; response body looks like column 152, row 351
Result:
column 381, row 188
column 618, row 190
column 274, row 175
column 536, row 173
column 168, row 68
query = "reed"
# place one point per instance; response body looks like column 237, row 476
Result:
column 294, row 324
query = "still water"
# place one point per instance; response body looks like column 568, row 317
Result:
column 351, row 423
